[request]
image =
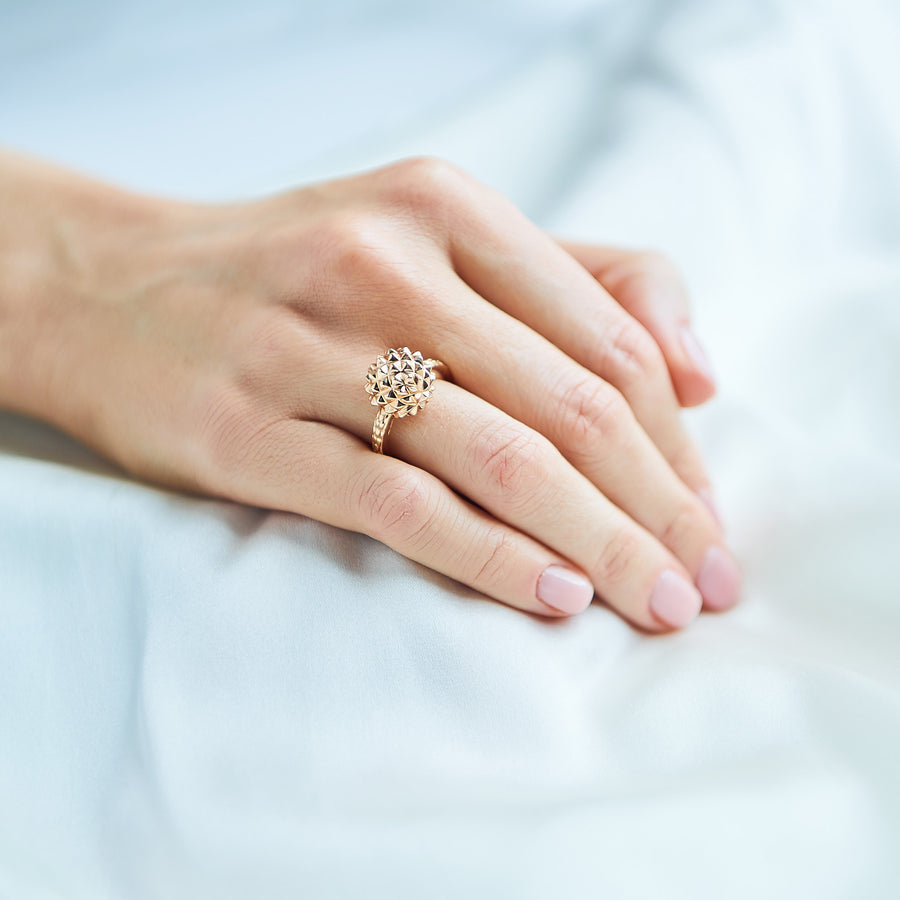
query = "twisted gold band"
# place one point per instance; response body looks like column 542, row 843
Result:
column 400, row 383
column 383, row 422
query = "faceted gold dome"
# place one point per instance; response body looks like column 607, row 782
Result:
column 400, row 382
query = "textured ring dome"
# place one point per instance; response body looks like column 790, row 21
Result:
column 400, row 382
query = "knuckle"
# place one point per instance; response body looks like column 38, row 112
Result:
column 512, row 463
column 353, row 241
column 635, row 357
column 426, row 184
column 590, row 408
column 494, row 560
column 396, row 509
column 687, row 519
column 592, row 411
column 426, row 170
column 618, row 559
column 361, row 252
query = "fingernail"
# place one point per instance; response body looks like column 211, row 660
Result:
column 674, row 600
column 695, row 352
column 719, row 579
column 564, row 589
column 706, row 495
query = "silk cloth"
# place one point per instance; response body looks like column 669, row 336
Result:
column 199, row 699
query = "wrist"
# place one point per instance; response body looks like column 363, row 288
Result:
column 60, row 236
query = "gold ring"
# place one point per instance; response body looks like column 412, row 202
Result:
column 399, row 383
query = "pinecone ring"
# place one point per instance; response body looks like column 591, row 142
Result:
column 399, row 383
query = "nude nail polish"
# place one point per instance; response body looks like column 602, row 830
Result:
column 675, row 601
column 719, row 579
column 564, row 589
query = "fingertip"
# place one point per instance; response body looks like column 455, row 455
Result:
column 719, row 580
column 674, row 601
column 692, row 390
column 692, row 373
column 564, row 590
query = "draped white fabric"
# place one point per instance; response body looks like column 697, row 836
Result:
column 203, row 700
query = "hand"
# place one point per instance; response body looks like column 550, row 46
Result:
column 224, row 350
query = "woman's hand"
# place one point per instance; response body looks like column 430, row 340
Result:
column 223, row 349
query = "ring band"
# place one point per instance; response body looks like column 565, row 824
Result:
column 400, row 383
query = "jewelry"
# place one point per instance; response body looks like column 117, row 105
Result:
column 400, row 383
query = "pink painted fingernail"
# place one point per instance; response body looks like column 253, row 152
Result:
column 719, row 579
column 674, row 600
column 564, row 589
column 694, row 349
column 706, row 495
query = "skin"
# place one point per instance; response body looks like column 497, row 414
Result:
column 223, row 350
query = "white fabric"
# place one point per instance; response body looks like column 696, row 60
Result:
column 204, row 700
